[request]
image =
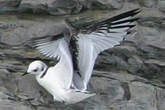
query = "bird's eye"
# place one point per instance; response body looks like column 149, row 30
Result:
column 35, row 70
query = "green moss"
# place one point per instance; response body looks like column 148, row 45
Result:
column 95, row 14
column 97, row 5
column 8, row 18
column 141, row 2
column 29, row 51
column 28, row 17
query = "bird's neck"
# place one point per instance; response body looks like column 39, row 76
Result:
column 44, row 73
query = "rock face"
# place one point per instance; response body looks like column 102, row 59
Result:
column 126, row 77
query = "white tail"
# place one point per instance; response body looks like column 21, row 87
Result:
column 73, row 96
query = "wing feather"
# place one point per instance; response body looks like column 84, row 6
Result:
column 101, row 36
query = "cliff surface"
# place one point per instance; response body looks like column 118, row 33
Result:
column 126, row 77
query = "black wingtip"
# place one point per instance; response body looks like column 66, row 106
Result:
column 125, row 14
column 132, row 12
column 136, row 11
column 124, row 21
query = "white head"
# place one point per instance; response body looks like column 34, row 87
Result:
column 36, row 68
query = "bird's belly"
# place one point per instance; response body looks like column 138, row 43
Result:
column 56, row 91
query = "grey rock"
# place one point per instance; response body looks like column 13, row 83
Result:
column 148, row 3
column 156, row 62
column 108, row 4
column 24, row 30
column 161, row 5
column 135, row 64
column 7, row 105
column 152, row 36
column 45, row 108
column 37, row 6
column 138, row 92
column 159, row 95
column 132, row 76
column 59, row 7
column 53, row 7
column 9, row 5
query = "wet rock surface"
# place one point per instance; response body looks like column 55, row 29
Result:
column 127, row 77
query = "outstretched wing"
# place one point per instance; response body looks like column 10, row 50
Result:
column 56, row 47
column 101, row 36
column 49, row 45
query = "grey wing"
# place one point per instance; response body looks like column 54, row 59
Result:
column 104, row 35
column 56, row 47
column 49, row 45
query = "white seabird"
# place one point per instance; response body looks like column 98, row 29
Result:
column 67, row 81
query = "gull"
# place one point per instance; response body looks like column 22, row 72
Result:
column 68, row 80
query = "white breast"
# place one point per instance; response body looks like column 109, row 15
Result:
column 51, row 83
